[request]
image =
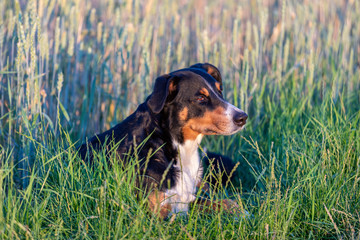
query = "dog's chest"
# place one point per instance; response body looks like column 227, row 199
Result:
column 188, row 164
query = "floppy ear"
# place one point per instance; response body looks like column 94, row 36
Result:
column 164, row 85
column 210, row 69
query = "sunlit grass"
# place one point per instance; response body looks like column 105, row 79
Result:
column 69, row 69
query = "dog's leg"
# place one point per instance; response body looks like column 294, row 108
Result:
column 226, row 205
column 158, row 205
column 203, row 186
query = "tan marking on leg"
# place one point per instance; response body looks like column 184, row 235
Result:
column 203, row 186
column 155, row 204
column 226, row 205
column 229, row 205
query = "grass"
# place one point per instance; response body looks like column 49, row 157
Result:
column 69, row 69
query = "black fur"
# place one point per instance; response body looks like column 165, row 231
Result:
column 221, row 166
column 157, row 117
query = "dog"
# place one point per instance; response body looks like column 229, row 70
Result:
column 222, row 167
column 184, row 106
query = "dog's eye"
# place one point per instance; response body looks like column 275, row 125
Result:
column 201, row 98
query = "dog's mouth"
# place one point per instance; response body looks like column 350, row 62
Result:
column 208, row 131
column 218, row 129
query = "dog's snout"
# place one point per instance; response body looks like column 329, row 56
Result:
column 240, row 118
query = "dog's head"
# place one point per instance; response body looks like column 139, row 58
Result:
column 192, row 99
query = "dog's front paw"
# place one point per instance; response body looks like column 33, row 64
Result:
column 231, row 207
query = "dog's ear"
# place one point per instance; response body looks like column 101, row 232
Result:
column 164, row 85
column 210, row 69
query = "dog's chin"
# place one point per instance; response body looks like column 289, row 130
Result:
column 226, row 132
column 232, row 132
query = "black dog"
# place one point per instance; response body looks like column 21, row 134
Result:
column 185, row 105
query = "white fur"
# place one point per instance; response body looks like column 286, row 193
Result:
column 230, row 110
column 188, row 164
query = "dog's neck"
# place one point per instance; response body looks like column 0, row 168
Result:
column 188, row 164
column 188, row 150
column 188, row 157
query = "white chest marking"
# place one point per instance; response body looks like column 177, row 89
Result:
column 188, row 164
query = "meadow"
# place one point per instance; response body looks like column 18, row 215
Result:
column 72, row 68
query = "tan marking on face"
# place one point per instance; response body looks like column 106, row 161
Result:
column 210, row 70
column 211, row 123
column 155, row 200
column 189, row 133
column 183, row 114
column 218, row 86
column 204, row 91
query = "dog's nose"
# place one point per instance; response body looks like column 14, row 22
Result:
column 240, row 118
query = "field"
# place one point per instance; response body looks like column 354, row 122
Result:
column 69, row 69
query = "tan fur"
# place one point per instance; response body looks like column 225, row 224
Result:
column 183, row 114
column 189, row 134
column 204, row 91
column 227, row 205
column 210, row 70
column 172, row 87
column 156, row 199
column 216, row 121
column 217, row 85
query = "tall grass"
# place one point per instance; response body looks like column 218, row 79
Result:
column 69, row 69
